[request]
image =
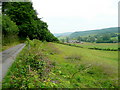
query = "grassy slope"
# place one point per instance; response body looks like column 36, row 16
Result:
column 101, row 62
column 94, row 32
column 48, row 65
column 99, row 45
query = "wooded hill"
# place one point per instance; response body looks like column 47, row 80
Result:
column 94, row 32
column 19, row 21
column 107, row 35
column 87, row 33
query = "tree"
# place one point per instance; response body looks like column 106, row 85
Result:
column 114, row 39
column 62, row 40
column 79, row 39
column 9, row 30
column 106, row 36
column 67, row 39
column 25, row 17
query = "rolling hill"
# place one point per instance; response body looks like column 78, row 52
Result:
column 88, row 32
column 94, row 32
column 62, row 34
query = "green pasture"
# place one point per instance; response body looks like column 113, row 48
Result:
column 102, row 66
column 98, row 45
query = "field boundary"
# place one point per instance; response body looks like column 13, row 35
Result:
column 95, row 48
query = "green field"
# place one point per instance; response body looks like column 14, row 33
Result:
column 53, row 65
column 113, row 46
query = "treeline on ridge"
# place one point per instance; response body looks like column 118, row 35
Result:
column 19, row 21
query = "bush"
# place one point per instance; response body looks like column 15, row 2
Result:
column 9, row 30
column 31, row 68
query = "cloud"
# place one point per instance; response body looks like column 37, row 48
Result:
column 87, row 11
column 84, row 8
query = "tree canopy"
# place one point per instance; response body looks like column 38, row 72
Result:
column 25, row 17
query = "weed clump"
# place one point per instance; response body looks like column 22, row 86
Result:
column 73, row 57
column 52, row 49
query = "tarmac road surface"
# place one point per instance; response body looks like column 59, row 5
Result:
column 7, row 57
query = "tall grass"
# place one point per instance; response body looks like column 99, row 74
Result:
column 51, row 65
column 87, row 68
column 8, row 42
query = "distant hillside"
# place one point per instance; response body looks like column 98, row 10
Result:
column 94, row 32
column 62, row 34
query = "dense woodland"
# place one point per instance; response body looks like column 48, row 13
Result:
column 20, row 21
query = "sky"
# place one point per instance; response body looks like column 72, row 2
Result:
column 77, row 15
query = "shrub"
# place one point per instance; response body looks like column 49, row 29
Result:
column 30, row 69
column 9, row 30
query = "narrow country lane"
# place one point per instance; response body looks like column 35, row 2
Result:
column 7, row 57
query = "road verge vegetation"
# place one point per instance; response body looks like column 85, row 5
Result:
column 52, row 65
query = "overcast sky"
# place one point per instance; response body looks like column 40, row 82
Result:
column 77, row 15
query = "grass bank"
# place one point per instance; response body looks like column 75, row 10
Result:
column 52, row 65
column 87, row 68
